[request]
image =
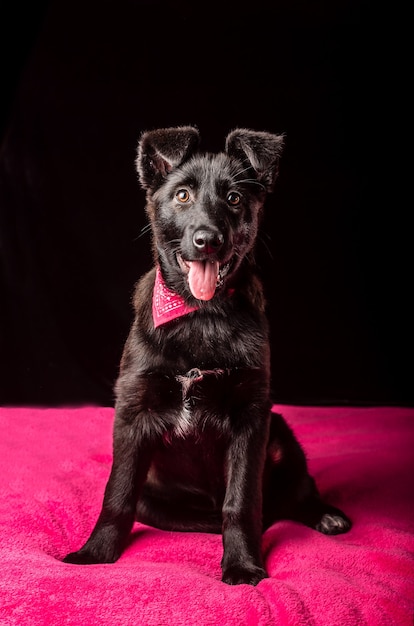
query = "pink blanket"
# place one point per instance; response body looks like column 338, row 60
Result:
column 53, row 467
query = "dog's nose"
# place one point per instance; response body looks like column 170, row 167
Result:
column 208, row 241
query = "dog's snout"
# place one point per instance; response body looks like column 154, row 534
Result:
column 207, row 240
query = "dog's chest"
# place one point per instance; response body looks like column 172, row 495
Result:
column 193, row 388
column 213, row 344
column 212, row 399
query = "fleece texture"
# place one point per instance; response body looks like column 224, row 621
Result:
column 54, row 463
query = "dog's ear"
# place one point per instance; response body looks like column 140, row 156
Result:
column 159, row 151
column 259, row 150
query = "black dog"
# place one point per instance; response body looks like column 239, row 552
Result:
column 196, row 447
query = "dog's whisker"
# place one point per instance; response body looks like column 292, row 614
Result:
column 174, row 242
column 252, row 181
column 241, row 171
column 144, row 231
column 262, row 238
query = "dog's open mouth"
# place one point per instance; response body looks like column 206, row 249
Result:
column 204, row 277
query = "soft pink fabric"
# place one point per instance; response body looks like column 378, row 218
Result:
column 54, row 464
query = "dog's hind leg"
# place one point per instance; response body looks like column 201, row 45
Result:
column 289, row 490
column 321, row 516
column 290, row 497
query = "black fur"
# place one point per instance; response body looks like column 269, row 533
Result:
column 196, row 446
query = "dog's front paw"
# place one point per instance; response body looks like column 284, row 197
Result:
column 239, row 575
column 105, row 545
column 89, row 555
column 81, row 557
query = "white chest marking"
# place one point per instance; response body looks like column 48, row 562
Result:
column 185, row 422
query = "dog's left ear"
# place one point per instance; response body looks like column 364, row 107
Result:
column 259, row 150
column 159, row 151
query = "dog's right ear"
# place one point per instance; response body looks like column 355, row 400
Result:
column 259, row 150
column 160, row 151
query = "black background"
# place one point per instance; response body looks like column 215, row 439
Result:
column 82, row 80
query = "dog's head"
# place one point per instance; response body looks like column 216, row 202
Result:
column 204, row 208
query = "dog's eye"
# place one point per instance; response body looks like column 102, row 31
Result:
column 233, row 198
column 182, row 195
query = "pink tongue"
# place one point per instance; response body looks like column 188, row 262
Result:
column 202, row 278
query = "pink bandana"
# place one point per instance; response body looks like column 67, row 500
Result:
column 167, row 305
